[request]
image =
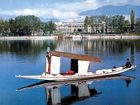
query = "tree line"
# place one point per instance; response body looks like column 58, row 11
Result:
column 32, row 25
column 116, row 23
column 25, row 25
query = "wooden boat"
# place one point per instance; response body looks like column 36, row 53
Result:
column 79, row 68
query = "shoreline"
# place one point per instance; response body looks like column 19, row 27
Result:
column 114, row 37
column 74, row 37
column 28, row 37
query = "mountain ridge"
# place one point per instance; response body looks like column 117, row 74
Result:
column 112, row 10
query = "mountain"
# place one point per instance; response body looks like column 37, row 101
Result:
column 112, row 10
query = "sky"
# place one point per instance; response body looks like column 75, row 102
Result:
column 55, row 9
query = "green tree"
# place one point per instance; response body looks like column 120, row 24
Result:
column 35, row 23
column 12, row 26
column 138, row 23
column 121, row 23
column 126, row 23
column 49, row 27
column 4, row 27
column 114, row 22
column 107, row 24
column 132, row 20
column 24, row 25
column 1, row 26
column 91, row 23
column 86, row 23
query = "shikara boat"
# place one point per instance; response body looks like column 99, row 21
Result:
column 79, row 68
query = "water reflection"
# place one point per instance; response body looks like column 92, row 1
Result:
column 29, row 49
column 91, row 47
column 132, row 48
column 100, row 45
column 79, row 90
column 28, row 58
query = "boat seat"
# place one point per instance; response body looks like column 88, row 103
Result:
column 69, row 72
column 103, row 71
column 86, row 74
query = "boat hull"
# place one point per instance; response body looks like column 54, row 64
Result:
column 89, row 75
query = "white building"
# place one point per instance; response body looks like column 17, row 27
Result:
column 69, row 27
column 73, row 27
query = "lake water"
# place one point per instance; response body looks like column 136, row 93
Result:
column 28, row 58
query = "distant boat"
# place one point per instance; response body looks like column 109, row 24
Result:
column 79, row 68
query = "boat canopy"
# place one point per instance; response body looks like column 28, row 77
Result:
column 83, row 67
column 79, row 63
column 75, row 56
column 55, row 65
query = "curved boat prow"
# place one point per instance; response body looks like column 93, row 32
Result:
column 115, row 71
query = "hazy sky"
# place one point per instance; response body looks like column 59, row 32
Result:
column 60, row 9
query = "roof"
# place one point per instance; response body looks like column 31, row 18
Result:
column 75, row 56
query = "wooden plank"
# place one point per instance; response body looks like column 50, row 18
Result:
column 75, row 56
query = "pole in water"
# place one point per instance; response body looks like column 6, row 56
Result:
column 48, row 63
column 48, row 49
